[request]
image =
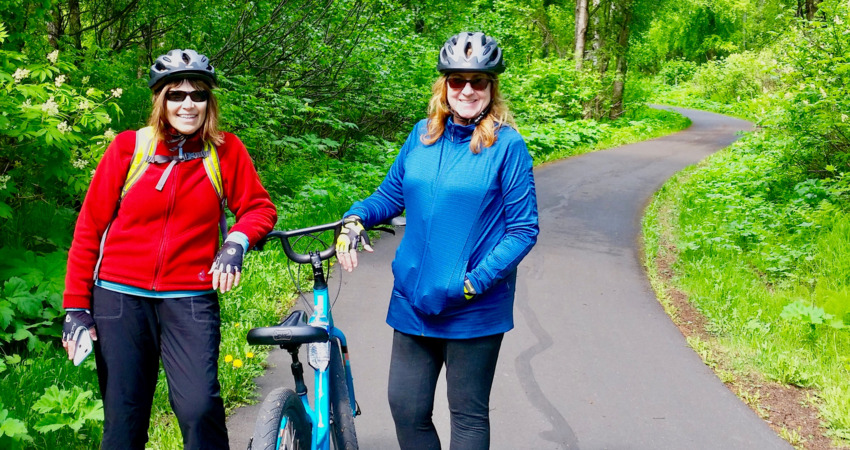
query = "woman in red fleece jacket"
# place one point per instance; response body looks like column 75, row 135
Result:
column 144, row 265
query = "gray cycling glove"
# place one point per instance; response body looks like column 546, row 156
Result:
column 74, row 320
column 229, row 258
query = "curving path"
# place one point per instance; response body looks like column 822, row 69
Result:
column 594, row 362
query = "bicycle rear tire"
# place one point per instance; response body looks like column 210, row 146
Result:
column 343, row 434
column 282, row 415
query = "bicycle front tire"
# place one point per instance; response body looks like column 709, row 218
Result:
column 343, row 434
column 282, row 416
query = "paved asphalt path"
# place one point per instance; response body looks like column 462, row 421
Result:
column 593, row 362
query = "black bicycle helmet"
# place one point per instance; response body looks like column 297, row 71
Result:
column 180, row 64
column 471, row 52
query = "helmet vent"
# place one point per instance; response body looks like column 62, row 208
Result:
column 186, row 58
column 468, row 50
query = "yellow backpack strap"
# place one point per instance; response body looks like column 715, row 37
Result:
column 144, row 151
column 212, row 164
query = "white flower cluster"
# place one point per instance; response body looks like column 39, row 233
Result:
column 3, row 180
column 84, row 104
column 117, row 92
column 64, row 127
column 50, row 107
column 59, row 80
column 85, row 80
column 53, row 56
column 80, row 163
column 27, row 104
column 20, row 74
column 109, row 134
column 90, row 92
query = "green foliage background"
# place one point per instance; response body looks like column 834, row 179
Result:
column 322, row 94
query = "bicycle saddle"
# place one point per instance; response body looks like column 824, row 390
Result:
column 293, row 331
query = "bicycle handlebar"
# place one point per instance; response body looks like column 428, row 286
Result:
column 325, row 254
column 301, row 258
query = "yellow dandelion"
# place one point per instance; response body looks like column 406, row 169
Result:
column 237, row 363
column 228, row 358
column 249, row 355
column 236, row 324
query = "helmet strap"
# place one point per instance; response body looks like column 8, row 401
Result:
column 483, row 113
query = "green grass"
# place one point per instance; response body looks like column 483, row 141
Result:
column 766, row 259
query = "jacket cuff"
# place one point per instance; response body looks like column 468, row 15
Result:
column 76, row 301
column 239, row 238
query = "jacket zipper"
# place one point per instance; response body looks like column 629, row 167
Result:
column 435, row 188
column 168, row 209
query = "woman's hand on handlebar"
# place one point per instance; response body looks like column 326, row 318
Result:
column 352, row 233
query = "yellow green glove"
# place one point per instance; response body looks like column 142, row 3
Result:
column 468, row 289
column 352, row 233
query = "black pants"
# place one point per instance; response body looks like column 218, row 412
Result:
column 414, row 368
column 133, row 334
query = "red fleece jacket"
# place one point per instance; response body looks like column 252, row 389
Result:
column 162, row 240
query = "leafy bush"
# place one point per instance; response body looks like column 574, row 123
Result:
column 63, row 408
column 677, row 71
column 739, row 76
column 13, row 432
column 545, row 139
column 52, row 129
column 815, row 106
column 549, row 89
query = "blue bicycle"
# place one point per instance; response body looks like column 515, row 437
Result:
column 286, row 419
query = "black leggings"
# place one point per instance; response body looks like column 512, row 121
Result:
column 414, row 368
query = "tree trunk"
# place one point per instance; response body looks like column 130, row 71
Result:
column 55, row 27
column 620, row 77
column 811, row 8
column 581, row 32
column 600, row 54
column 74, row 27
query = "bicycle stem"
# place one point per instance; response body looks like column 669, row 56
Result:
column 318, row 273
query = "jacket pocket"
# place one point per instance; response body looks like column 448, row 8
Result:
column 442, row 295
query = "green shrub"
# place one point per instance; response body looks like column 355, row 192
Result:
column 677, row 71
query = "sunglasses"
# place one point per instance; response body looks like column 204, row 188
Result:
column 478, row 84
column 180, row 96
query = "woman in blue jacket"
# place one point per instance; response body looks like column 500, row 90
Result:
column 464, row 178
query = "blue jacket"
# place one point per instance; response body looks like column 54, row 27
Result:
column 468, row 215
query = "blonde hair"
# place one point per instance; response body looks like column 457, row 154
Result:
column 484, row 134
column 209, row 131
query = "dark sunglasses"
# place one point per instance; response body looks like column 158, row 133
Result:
column 180, row 96
column 479, row 84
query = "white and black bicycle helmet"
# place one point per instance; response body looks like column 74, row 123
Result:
column 471, row 52
column 181, row 64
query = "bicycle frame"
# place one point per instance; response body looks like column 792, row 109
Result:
column 318, row 344
column 327, row 350
column 319, row 358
